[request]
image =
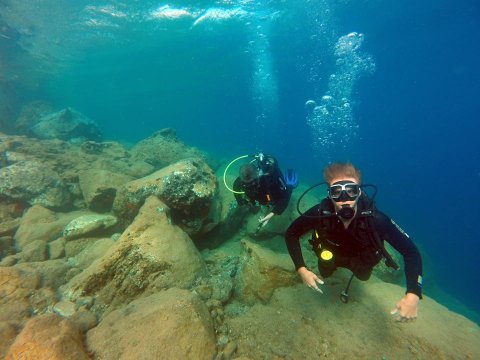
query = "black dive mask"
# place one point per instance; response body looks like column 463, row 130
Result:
column 346, row 212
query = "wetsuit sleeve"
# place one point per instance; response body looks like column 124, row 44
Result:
column 401, row 242
column 297, row 228
column 237, row 186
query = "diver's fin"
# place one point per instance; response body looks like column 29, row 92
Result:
column 291, row 178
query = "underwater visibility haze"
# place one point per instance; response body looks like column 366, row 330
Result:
column 391, row 86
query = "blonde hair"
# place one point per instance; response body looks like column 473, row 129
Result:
column 338, row 170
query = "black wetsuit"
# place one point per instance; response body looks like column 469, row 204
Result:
column 354, row 248
column 269, row 189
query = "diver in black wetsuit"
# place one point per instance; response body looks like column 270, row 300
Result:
column 262, row 182
column 348, row 233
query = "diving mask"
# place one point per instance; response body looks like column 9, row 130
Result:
column 343, row 191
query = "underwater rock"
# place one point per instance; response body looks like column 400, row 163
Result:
column 84, row 320
column 99, row 188
column 151, row 254
column 9, row 260
column 113, row 157
column 16, row 287
column 109, row 149
column 33, row 182
column 261, row 272
column 66, row 124
column 11, row 210
column 91, row 252
column 217, row 286
column 229, row 350
column 50, row 165
column 9, row 223
column 51, row 273
column 56, row 249
column 187, row 188
column 64, row 308
column 34, row 251
column 6, row 246
column 42, row 301
column 39, row 223
column 30, row 114
column 48, row 337
column 171, row 324
column 75, row 247
column 224, row 219
column 164, row 148
column 8, row 227
column 7, row 336
column 87, row 224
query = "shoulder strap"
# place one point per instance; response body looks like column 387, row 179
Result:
column 368, row 212
column 326, row 207
column 326, row 211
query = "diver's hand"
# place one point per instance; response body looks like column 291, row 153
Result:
column 310, row 279
column 264, row 221
column 406, row 308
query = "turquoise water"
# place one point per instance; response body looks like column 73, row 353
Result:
column 391, row 87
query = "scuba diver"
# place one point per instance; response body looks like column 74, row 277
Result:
column 348, row 232
column 261, row 182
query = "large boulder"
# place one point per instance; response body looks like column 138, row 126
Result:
column 39, row 223
column 225, row 218
column 222, row 266
column 91, row 252
column 261, row 272
column 49, row 171
column 16, row 287
column 6, row 246
column 66, row 124
column 33, row 182
column 30, row 114
column 170, row 325
column 113, row 157
column 9, row 222
column 8, row 227
column 35, row 251
column 151, row 254
column 50, row 273
column 7, row 336
column 163, row 148
column 99, row 188
column 48, row 337
column 186, row 187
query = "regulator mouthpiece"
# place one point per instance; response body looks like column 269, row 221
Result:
column 346, row 212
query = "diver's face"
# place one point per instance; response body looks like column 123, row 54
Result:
column 344, row 191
